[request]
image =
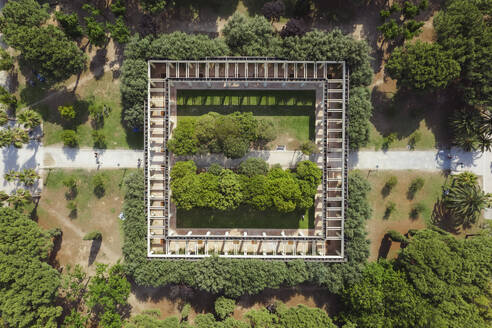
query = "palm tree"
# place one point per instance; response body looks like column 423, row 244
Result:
column 19, row 137
column 4, row 118
column 20, row 198
column 28, row 176
column 11, row 176
column 466, row 201
column 486, row 130
column 29, row 119
column 465, row 124
column 5, row 138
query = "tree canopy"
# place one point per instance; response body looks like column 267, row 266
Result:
column 422, row 66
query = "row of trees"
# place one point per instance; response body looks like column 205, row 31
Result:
column 222, row 189
column 231, row 134
column 248, row 37
column 237, row 277
column 26, row 176
column 278, row 315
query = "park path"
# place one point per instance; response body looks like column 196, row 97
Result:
column 37, row 156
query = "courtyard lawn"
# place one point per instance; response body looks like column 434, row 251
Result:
column 292, row 113
column 244, row 218
column 104, row 90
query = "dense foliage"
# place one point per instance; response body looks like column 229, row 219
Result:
column 236, row 277
column 231, row 134
column 242, row 36
column 398, row 20
column 463, row 29
column 281, row 190
column 422, row 66
column 436, row 281
column 359, row 113
column 28, row 285
column 44, row 48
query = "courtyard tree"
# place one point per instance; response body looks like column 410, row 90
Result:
column 184, row 140
column 253, row 166
column 422, row 66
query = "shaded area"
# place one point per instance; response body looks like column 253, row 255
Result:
column 95, row 247
column 384, row 248
column 244, row 217
column 402, row 112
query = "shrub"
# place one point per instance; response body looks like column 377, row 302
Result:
column 6, row 61
column 396, row 236
column 308, row 148
column 390, row 208
column 72, row 206
column 99, row 139
column 224, row 307
column 389, row 185
column 71, row 183
column 253, row 166
column 215, row 169
column 70, row 138
column 388, row 140
column 185, row 311
column 99, row 181
column 67, row 112
column 93, row 235
column 417, row 210
column 416, row 185
column 414, row 139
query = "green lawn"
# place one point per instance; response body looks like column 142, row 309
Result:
column 87, row 202
column 244, row 218
column 427, row 141
column 292, row 113
column 101, row 91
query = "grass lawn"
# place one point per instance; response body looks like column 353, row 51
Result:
column 104, row 90
column 400, row 220
column 244, row 218
column 88, row 204
column 427, row 141
column 292, row 113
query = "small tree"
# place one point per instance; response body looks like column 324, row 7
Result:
column 119, row 31
column 396, row 236
column 414, row 139
column 20, row 198
column 72, row 207
column 185, row 312
column 93, row 235
column 308, row 148
column 99, row 181
column 19, row 137
column 4, row 118
column 389, row 185
column 253, row 166
column 417, row 210
column 390, row 208
column 71, row 183
column 29, row 119
column 416, row 185
column 224, row 307
column 11, row 175
column 69, row 138
column 67, row 112
column 28, row 176
column 7, row 98
column 6, row 61
column 273, row 10
column 99, row 139
column 388, row 140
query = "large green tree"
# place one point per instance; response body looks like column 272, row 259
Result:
column 463, row 29
column 359, row 113
column 422, row 66
column 28, row 285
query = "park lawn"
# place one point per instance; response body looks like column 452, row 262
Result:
column 292, row 113
column 89, row 206
column 244, row 217
column 104, row 90
column 427, row 141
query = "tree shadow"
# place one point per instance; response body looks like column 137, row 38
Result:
column 402, row 112
column 384, row 248
column 95, row 247
column 443, row 219
column 97, row 63
column 385, row 191
column 57, row 242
